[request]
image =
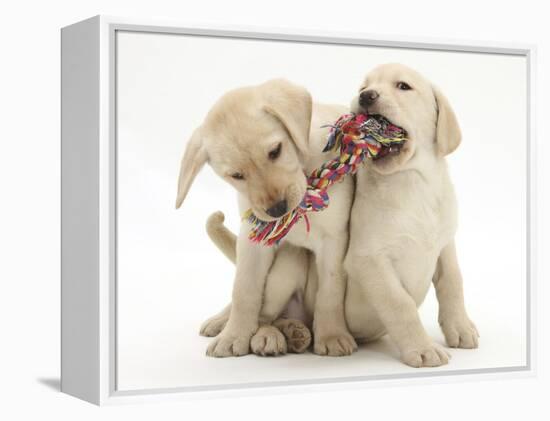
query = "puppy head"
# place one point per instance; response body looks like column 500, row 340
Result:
column 255, row 138
column 408, row 100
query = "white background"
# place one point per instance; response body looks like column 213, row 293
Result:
column 170, row 276
column 29, row 171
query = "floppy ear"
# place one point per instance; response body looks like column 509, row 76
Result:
column 291, row 104
column 448, row 135
column 194, row 158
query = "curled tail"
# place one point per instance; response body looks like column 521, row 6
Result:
column 221, row 236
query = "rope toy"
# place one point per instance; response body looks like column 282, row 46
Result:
column 358, row 137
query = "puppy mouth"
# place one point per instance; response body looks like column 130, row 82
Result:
column 263, row 216
column 293, row 198
column 386, row 147
column 388, row 150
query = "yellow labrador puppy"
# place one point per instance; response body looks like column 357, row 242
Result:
column 402, row 226
column 403, row 223
column 258, row 139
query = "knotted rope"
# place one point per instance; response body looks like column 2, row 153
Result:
column 358, row 137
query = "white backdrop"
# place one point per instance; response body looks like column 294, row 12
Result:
column 29, row 177
column 170, row 276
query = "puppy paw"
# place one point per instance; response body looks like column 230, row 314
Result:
column 298, row 336
column 430, row 356
column 229, row 345
column 213, row 326
column 460, row 332
column 335, row 345
column 268, row 341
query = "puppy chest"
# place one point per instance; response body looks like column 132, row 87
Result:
column 404, row 217
column 301, row 237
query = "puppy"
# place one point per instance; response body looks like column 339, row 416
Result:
column 402, row 225
column 404, row 221
column 258, row 139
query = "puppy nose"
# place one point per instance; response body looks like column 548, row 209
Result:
column 278, row 209
column 367, row 98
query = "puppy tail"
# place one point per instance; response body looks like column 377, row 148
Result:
column 220, row 235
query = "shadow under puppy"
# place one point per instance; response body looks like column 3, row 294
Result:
column 263, row 140
column 402, row 227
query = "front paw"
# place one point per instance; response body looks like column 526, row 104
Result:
column 213, row 326
column 460, row 332
column 268, row 341
column 432, row 355
column 229, row 345
column 334, row 345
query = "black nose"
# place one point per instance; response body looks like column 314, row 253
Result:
column 367, row 98
column 278, row 209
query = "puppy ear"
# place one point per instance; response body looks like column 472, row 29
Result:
column 291, row 104
column 448, row 135
column 194, row 158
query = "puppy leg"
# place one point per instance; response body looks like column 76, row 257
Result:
column 215, row 324
column 330, row 332
column 253, row 264
column 457, row 327
column 397, row 311
column 297, row 331
column 286, row 276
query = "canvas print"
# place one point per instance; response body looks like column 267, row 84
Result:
column 293, row 212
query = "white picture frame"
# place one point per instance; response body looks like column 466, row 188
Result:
column 88, row 203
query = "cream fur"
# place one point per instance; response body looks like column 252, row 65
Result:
column 409, row 203
column 236, row 137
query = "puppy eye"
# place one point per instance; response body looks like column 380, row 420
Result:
column 237, row 176
column 403, row 86
column 274, row 154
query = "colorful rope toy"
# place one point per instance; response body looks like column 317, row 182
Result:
column 358, row 137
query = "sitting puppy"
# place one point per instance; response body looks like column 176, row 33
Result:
column 404, row 221
column 402, row 226
column 259, row 140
